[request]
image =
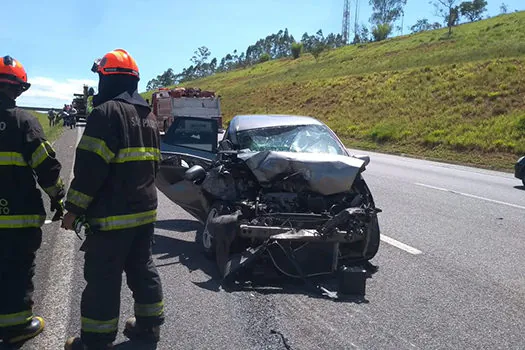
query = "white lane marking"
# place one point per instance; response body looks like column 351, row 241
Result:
column 471, row 196
column 400, row 245
column 57, row 299
column 435, row 164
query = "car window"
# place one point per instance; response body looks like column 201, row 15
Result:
column 193, row 133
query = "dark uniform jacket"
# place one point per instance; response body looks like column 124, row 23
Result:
column 25, row 158
column 117, row 160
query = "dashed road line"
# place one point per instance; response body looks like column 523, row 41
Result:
column 400, row 245
column 471, row 196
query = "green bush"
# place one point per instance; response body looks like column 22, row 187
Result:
column 436, row 137
column 296, row 50
column 317, row 50
column 381, row 31
column 520, row 124
column 383, row 132
column 264, row 58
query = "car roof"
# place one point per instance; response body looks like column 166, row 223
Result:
column 256, row 121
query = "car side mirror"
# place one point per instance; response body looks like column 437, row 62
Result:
column 195, row 174
column 364, row 158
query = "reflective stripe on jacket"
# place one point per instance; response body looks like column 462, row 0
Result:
column 117, row 160
column 10, row 320
column 26, row 157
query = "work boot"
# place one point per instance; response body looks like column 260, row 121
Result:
column 75, row 343
column 142, row 334
column 34, row 328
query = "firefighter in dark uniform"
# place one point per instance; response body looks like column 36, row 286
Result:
column 25, row 154
column 114, row 191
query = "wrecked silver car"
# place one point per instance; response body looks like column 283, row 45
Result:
column 278, row 190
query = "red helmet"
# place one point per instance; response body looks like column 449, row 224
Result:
column 117, row 61
column 12, row 72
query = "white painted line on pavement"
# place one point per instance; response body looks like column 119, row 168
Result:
column 57, row 299
column 400, row 245
column 472, row 196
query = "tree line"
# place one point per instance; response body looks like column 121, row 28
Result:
column 274, row 46
column 385, row 13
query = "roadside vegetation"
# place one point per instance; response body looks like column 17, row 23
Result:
column 456, row 93
column 52, row 132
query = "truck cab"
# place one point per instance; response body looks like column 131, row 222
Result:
column 80, row 103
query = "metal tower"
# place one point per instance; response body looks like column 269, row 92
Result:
column 346, row 21
column 356, row 21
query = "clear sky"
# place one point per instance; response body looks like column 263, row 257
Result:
column 57, row 40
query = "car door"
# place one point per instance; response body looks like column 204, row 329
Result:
column 189, row 141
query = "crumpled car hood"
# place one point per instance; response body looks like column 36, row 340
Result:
column 325, row 174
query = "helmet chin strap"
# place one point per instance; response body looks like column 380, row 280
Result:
column 11, row 91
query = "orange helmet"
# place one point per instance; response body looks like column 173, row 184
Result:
column 12, row 72
column 117, row 61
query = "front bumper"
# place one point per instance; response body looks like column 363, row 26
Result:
column 289, row 234
column 353, row 220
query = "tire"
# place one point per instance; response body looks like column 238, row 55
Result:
column 374, row 235
column 204, row 237
column 358, row 249
column 523, row 180
column 374, row 238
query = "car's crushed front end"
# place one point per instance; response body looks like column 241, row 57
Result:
column 308, row 214
column 279, row 195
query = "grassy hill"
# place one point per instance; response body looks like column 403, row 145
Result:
column 458, row 99
column 52, row 132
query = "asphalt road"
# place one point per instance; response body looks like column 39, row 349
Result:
column 452, row 273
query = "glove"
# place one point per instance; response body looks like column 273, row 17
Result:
column 58, row 206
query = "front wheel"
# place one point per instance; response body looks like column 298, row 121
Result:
column 367, row 248
column 206, row 237
column 374, row 238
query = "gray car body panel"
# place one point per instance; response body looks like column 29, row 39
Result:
column 325, row 174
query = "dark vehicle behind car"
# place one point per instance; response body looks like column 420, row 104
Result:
column 519, row 169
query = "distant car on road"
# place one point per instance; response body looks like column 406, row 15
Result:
column 519, row 169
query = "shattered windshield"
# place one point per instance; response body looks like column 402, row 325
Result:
column 293, row 138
